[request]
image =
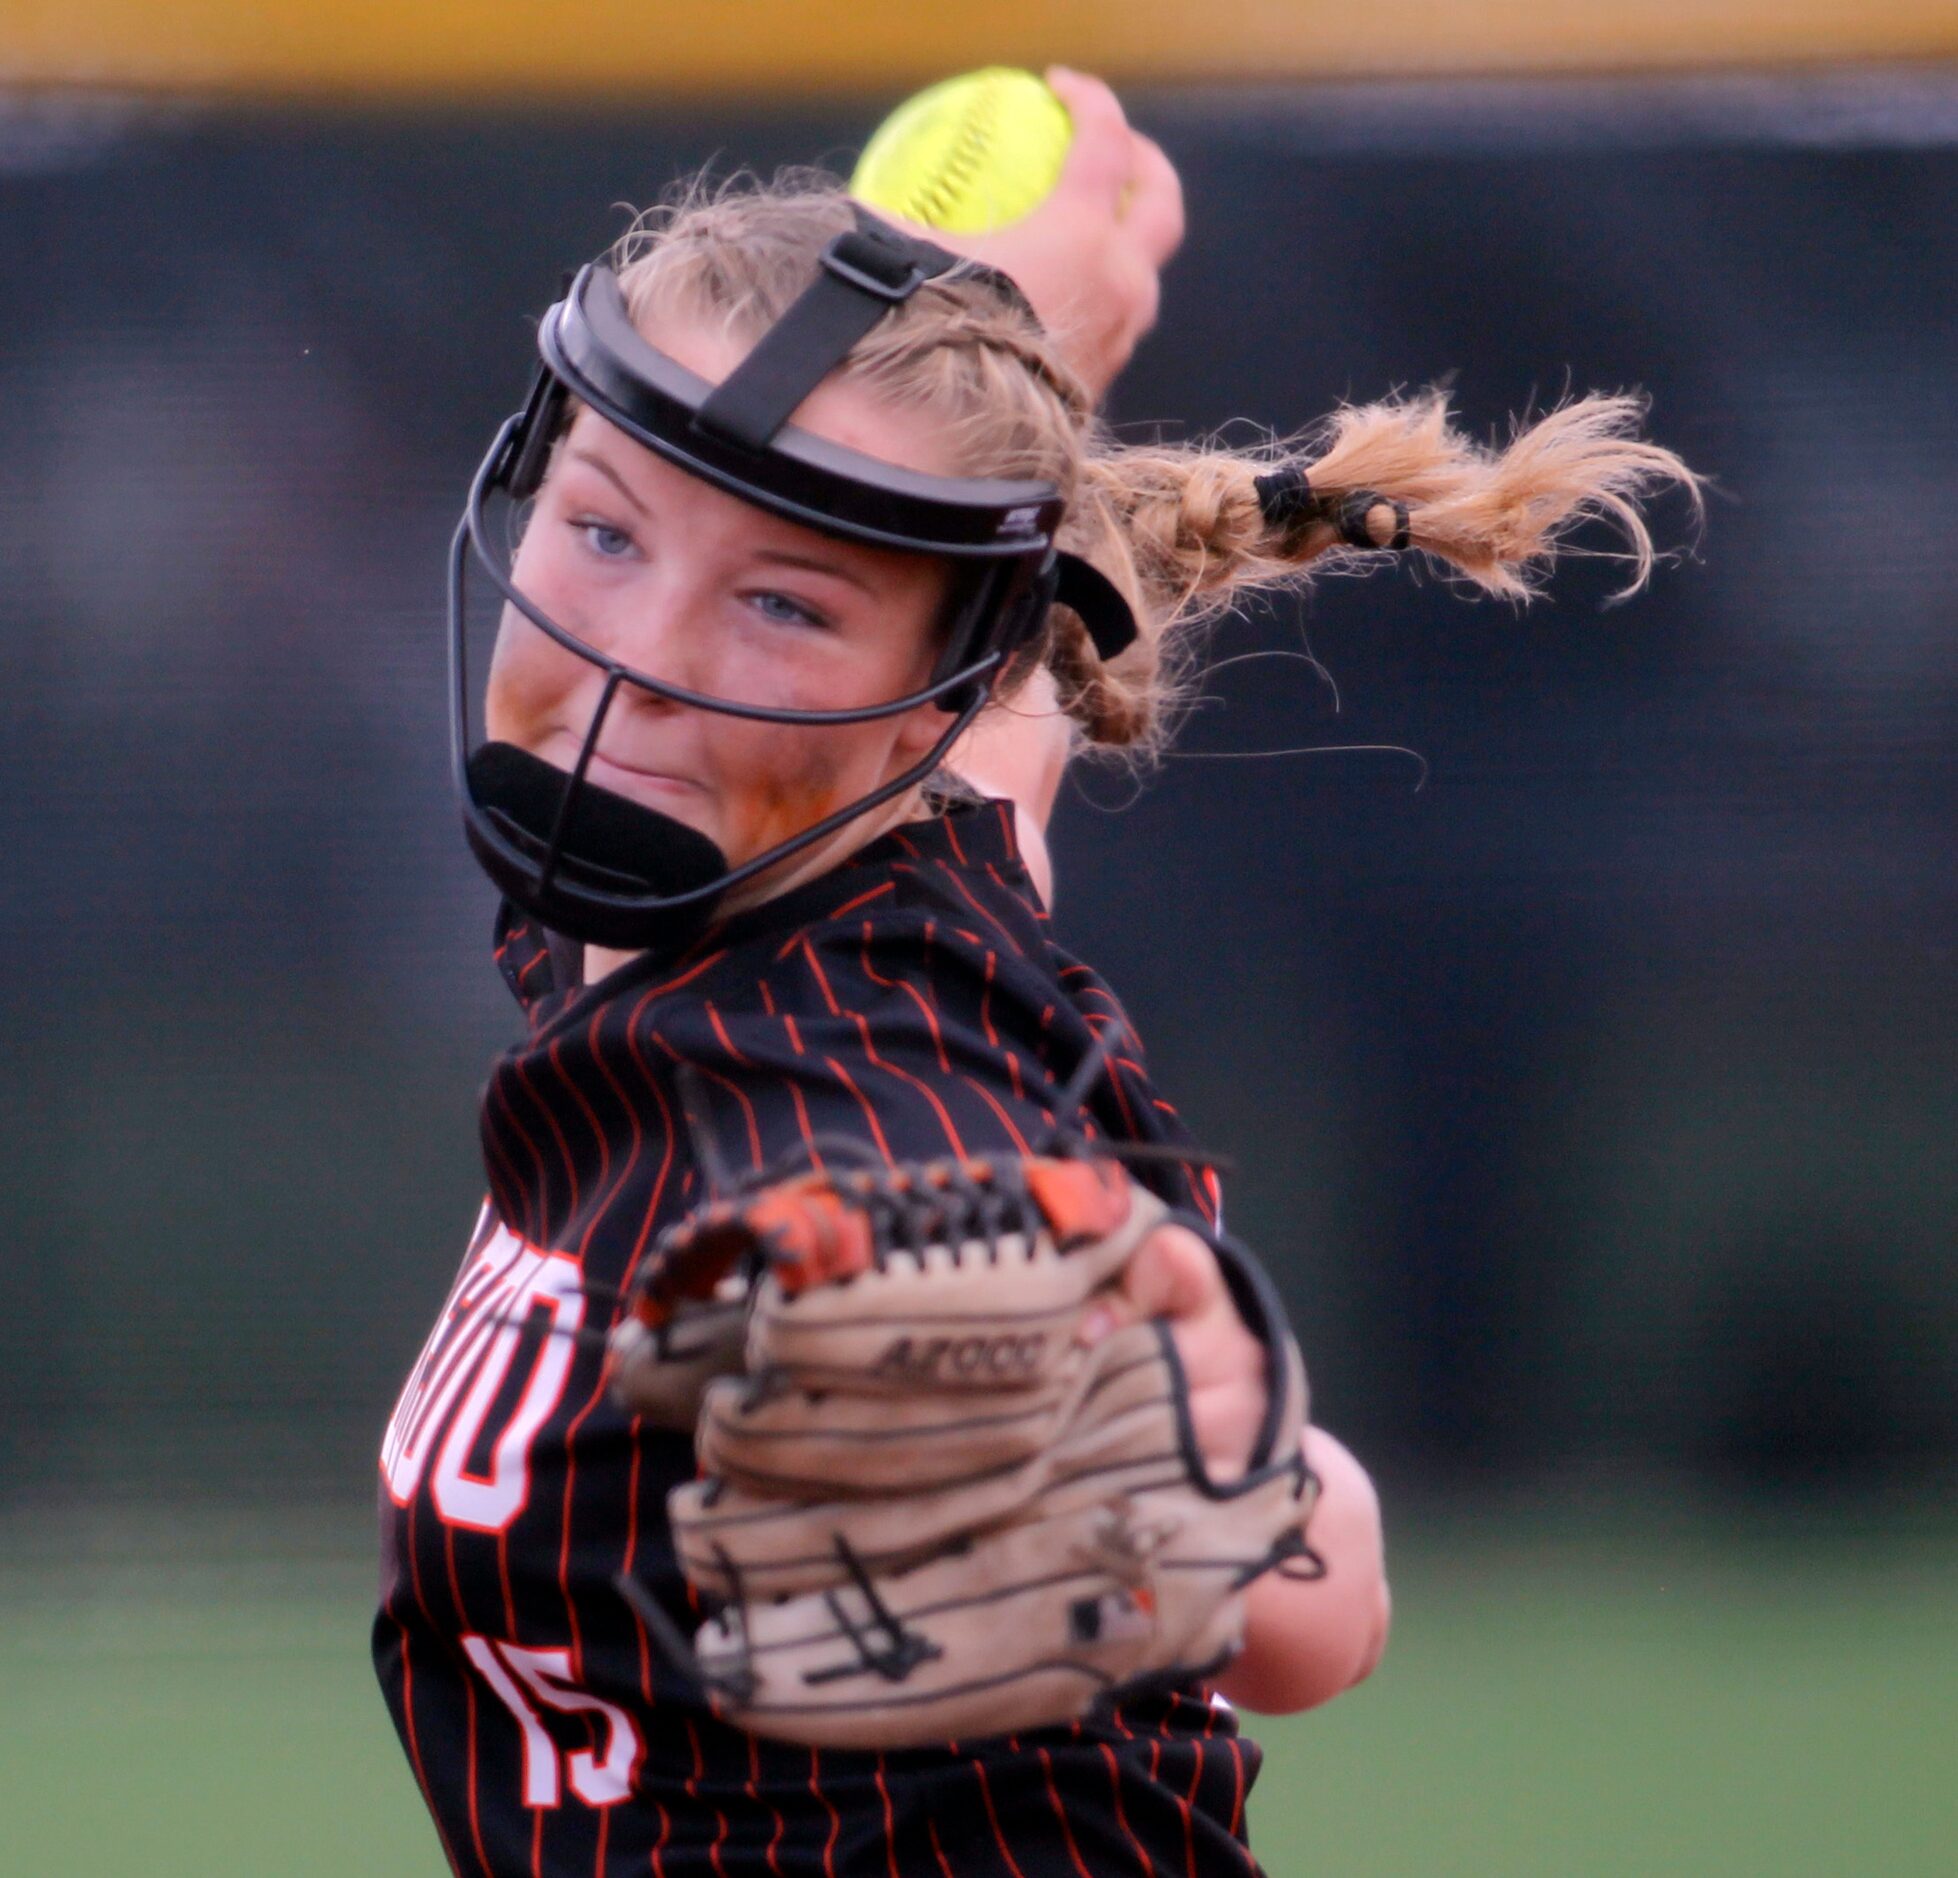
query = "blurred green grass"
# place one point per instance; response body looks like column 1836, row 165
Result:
column 1562, row 1702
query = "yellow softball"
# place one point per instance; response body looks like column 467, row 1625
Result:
column 971, row 153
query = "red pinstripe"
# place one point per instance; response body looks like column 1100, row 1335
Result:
column 557, row 1135
column 693, row 1793
column 999, row 1838
column 415, row 1571
column 911, row 991
column 835, row 1819
column 1013, row 1074
column 937, row 1850
column 863, row 899
column 1114, row 1081
column 890, row 1820
column 733, row 1088
column 528, row 1225
column 1121, row 1815
column 666, row 1120
column 599, row 1211
column 774, row 1811
column 564, row 1538
column 1060, row 1813
column 904, row 1075
column 414, row 1743
column 986, row 1001
column 966, row 894
column 503, row 1577
column 455, row 1589
column 720, row 1031
column 598, row 1135
column 1006, row 1121
column 508, row 1193
column 815, row 965
column 631, row 1553
column 1189, row 1801
column 598, row 1386
column 1009, row 830
column 657, row 1857
column 869, row 1114
column 665, row 988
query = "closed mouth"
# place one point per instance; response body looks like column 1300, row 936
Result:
column 659, row 778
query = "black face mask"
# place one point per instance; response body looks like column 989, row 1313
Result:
column 586, row 861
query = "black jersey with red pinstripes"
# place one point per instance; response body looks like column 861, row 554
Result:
column 911, row 998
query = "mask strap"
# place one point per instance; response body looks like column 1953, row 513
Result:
column 1085, row 588
column 861, row 276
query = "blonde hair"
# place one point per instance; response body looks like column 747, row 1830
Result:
column 1182, row 530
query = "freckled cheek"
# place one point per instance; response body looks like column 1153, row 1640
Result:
column 782, row 782
column 529, row 677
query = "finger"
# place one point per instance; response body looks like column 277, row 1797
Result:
column 1154, row 218
column 1099, row 157
column 1174, row 1275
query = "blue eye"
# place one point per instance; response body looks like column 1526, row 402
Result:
column 784, row 611
column 605, row 541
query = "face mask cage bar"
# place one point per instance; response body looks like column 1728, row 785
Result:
column 998, row 533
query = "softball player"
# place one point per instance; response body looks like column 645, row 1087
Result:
column 750, row 904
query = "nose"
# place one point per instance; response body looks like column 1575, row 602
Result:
column 650, row 627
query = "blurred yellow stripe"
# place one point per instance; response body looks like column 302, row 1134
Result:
column 784, row 46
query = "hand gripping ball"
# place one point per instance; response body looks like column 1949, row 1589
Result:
column 969, row 154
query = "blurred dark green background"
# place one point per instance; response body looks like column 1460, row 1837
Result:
column 1595, row 1104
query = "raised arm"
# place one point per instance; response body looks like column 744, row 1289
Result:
column 1090, row 260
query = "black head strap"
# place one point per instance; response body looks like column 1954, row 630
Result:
column 1085, row 588
column 862, row 274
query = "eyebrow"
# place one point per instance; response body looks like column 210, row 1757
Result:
column 816, row 564
column 593, row 461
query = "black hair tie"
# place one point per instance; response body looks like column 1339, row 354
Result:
column 1286, row 498
column 1353, row 529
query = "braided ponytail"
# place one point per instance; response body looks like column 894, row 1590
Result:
column 1199, row 527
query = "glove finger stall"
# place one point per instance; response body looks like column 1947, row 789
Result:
column 664, row 1374
column 993, row 1315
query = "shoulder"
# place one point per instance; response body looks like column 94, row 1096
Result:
column 961, row 869
column 941, row 896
